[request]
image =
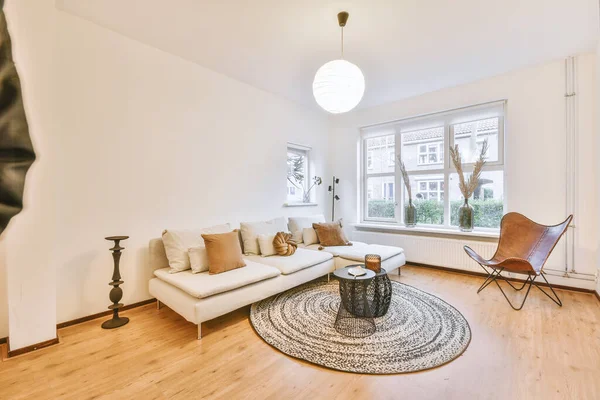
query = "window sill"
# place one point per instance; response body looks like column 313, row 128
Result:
column 300, row 204
column 424, row 231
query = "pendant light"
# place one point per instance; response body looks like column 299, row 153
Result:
column 339, row 85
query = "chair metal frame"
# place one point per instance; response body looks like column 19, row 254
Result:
column 523, row 248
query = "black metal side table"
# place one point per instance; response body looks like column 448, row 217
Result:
column 355, row 316
column 379, row 293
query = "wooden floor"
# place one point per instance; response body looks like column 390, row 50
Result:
column 541, row 352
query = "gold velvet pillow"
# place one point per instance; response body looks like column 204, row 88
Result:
column 224, row 252
column 331, row 233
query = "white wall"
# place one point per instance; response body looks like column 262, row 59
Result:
column 3, row 291
column 535, row 147
column 29, row 238
column 598, row 146
column 144, row 141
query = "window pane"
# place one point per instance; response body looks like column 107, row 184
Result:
column 381, row 197
column 427, row 192
column 487, row 201
column 470, row 137
column 381, row 154
column 296, row 176
column 423, row 149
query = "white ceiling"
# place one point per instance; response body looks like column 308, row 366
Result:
column 404, row 47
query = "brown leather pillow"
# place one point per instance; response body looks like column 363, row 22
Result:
column 331, row 233
column 224, row 252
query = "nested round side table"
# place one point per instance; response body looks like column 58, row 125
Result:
column 380, row 293
column 355, row 316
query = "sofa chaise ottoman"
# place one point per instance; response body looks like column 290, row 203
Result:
column 392, row 258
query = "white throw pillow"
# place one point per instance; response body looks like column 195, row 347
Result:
column 251, row 230
column 296, row 225
column 198, row 259
column 177, row 243
column 265, row 242
column 309, row 236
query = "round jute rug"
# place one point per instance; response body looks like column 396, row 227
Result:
column 420, row 331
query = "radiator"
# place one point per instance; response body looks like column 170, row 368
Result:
column 448, row 252
column 432, row 250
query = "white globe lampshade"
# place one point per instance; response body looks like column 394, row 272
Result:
column 339, row 86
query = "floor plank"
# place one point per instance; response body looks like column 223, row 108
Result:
column 542, row 351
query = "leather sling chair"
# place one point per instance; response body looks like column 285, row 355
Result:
column 523, row 248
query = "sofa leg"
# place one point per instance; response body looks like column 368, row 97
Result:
column 199, row 331
column 399, row 271
column 158, row 305
column 328, row 277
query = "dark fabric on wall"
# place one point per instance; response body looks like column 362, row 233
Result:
column 16, row 150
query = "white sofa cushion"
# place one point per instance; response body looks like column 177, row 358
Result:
column 301, row 259
column 204, row 285
column 297, row 224
column 265, row 243
column 251, row 230
column 178, row 242
column 359, row 250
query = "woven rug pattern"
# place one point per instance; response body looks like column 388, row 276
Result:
column 419, row 332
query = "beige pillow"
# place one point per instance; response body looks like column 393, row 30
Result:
column 251, row 230
column 296, row 225
column 178, row 242
column 331, row 234
column 224, row 252
column 198, row 259
column 309, row 236
column 265, row 242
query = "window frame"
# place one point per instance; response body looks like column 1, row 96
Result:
column 305, row 152
column 364, row 151
column 447, row 119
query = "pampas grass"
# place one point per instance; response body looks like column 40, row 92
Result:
column 405, row 179
column 467, row 188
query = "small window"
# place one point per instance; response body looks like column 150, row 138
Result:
column 391, row 158
column 297, row 174
column 432, row 153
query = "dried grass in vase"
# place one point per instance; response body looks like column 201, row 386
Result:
column 467, row 188
column 410, row 212
column 405, row 179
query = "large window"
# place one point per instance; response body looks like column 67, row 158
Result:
column 422, row 143
column 297, row 174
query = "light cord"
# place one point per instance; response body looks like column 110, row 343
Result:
column 342, row 42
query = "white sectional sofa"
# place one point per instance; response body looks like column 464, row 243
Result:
column 201, row 297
